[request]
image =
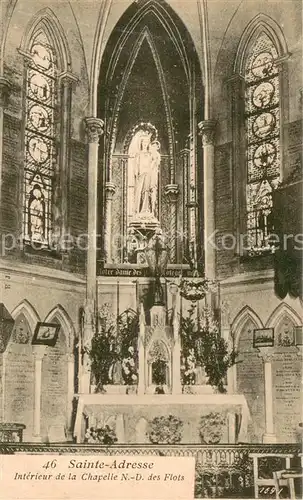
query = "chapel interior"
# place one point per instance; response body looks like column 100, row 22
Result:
column 151, row 227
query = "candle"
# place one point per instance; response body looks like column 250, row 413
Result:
column 137, row 306
column 118, row 298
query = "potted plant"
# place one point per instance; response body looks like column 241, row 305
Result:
column 165, row 430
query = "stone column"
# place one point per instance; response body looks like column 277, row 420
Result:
column 110, row 189
column 266, row 353
column 141, row 353
column 5, row 89
column 207, row 130
column 67, row 80
column 70, row 389
column 38, row 351
column 172, row 191
column 94, row 128
column 176, row 368
column 3, row 382
column 120, row 428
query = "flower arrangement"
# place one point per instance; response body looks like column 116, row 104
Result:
column 195, row 290
column 104, row 435
column 165, row 430
column 211, row 427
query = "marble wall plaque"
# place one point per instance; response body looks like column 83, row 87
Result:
column 250, row 382
column 287, row 376
column 54, row 391
column 19, row 386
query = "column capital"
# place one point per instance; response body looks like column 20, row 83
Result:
column 282, row 59
column 5, row 90
column 110, row 189
column 266, row 353
column 68, row 79
column 70, row 358
column 207, row 131
column 39, row 351
column 94, row 128
column 172, row 190
column 300, row 350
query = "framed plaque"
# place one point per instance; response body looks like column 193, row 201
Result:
column 46, row 334
column 263, row 337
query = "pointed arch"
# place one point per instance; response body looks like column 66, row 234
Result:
column 145, row 35
column 46, row 21
column 280, row 311
column 59, row 313
column 30, row 313
column 163, row 12
column 246, row 314
column 259, row 24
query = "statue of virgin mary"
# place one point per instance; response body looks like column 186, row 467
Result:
column 146, row 178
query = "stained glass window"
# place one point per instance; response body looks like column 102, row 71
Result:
column 40, row 151
column 262, row 120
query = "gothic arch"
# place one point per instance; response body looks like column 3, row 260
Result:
column 100, row 39
column 280, row 311
column 246, row 313
column 59, row 313
column 144, row 35
column 259, row 24
column 47, row 21
column 30, row 313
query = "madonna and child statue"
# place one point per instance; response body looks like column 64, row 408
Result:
column 146, row 162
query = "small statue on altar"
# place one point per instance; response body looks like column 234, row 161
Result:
column 189, row 368
column 115, row 373
column 129, row 369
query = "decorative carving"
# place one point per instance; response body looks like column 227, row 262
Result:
column 67, row 79
column 5, row 89
column 266, row 353
column 94, row 128
column 172, row 190
column 207, row 132
column 110, row 190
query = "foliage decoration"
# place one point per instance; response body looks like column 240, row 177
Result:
column 211, row 351
column 103, row 435
column 165, row 430
column 212, row 427
column 111, row 342
column 194, row 290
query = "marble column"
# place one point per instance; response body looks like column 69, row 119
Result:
column 94, row 128
column 38, row 352
column 141, row 353
column 266, row 353
column 110, row 189
column 207, row 132
column 172, row 191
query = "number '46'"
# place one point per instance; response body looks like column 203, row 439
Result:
column 50, row 464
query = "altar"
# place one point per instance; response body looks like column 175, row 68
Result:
column 130, row 415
